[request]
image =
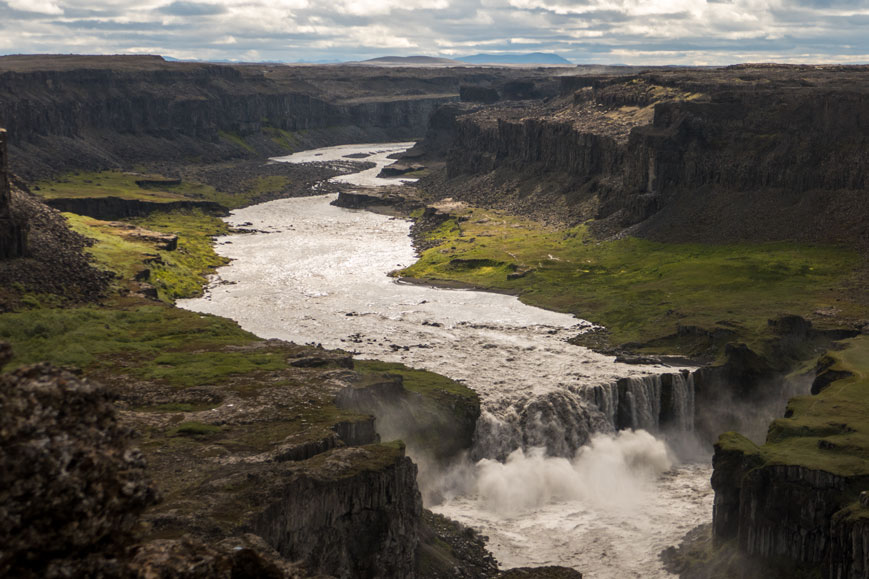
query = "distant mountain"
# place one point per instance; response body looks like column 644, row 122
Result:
column 515, row 58
column 411, row 61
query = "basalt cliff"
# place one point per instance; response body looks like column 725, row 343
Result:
column 721, row 149
column 76, row 112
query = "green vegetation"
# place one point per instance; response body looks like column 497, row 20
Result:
column 154, row 342
column 267, row 185
column 378, row 457
column 282, row 138
column 122, row 184
column 830, row 430
column 422, row 382
column 178, row 273
column 827, row 431
column 183, row 272
column 161, row 190
column 236, row 139
column 640, row 290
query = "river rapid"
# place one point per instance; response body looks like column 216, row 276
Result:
column 549, row 479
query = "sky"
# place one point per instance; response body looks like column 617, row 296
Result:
column 682, row 32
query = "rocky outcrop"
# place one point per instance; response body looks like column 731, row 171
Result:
column 435, row 424
column 72, row 488
column 355, row 513
column 55, row 260
column 13, row 234
column 787, row 515
column 798, row 502
column 530, row 144
column 111, row 208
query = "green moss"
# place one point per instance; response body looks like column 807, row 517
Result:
column 733, row 441
column 379, row 457
column 828, row 431
column 123, row 185
column 419, row 381
column 640, row 290
column 110, row 184
column 142, row 340
column 282, row 138
column 183, row 271
column 185, row 368
column 179, row 273
column 236, row 139
column 269, row 184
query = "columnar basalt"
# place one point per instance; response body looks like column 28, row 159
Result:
column 662, row 149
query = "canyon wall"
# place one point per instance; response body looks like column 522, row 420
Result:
column 356, row 513
column 719, row 148
column 799, row 501
column 789, row 516
column 76, row 112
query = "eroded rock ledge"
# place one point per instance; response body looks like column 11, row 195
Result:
column 800, row 500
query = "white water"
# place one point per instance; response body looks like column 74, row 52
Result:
column 377, row 154
column 319, row 274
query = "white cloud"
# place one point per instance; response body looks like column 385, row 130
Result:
column 38, row 6
column 624, row 31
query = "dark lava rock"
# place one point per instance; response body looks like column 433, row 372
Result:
column 319, row 361
column 245, row 557
column 541, row 573
column 72, row 489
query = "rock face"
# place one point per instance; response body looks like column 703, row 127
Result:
column 13, row 235
column 791, row 515
column 438, row 426
column 68, row 113
column 345, row 521
column 663, row 149
column 54, row 259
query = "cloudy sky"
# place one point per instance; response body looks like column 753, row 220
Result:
column 583, row 31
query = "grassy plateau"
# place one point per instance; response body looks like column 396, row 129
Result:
column 642, row 291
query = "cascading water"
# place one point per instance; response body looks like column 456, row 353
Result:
column 557, row 475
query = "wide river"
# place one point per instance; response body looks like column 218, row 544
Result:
column 318, row 273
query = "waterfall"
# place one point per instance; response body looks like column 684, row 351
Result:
column 564, row 420
column 657, row 403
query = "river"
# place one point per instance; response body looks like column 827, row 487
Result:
column 551, row 482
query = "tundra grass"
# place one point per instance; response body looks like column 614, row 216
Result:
column 154, row 342
column 179, row 273
column 84, row 185
column 828, row 431
column 121, row 184
column 640, row 290
column 422, row 382
column 282, row 138
column 237, row 140
column 182, row 272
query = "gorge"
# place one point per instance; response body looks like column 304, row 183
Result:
column 318, row 272
column 717, row 215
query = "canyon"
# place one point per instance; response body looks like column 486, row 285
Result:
column 692, row 164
